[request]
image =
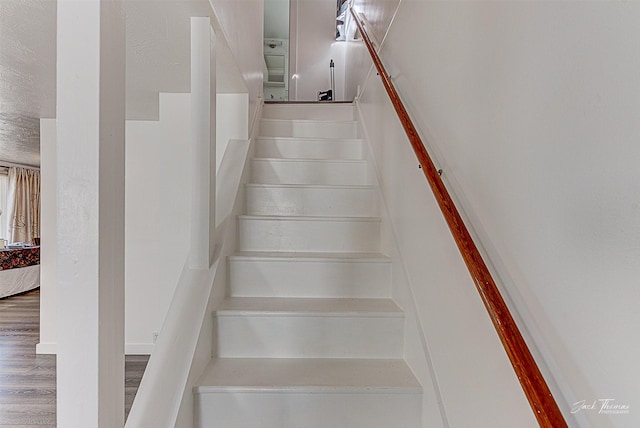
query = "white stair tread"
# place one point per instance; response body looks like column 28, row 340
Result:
column 303, row 140
column 320, row 161
column 308, row 218
column 309, row 256
column 309, row 306
column 308, row 375
column 328, row 122
column 312, row 186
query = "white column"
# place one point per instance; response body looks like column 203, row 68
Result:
column 203, row 135
column 90, row 191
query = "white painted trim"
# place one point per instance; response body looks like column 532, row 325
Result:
column 46, row 348
column 138, row 348
column 48, row 233
column 254, row 128
column 50, row 348
column 203, row 101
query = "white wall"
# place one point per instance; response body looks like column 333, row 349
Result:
column 242, row 25
column 276, row 19
column 157, row 217
column 232, row 99
column 531, row 109
column 357, row 66
column 158, row 207
column 156, row 220
column 232, row 117
column 158, row 43
column 315, row 45
column 158, row 59
column 157, row 214
column 446, row 320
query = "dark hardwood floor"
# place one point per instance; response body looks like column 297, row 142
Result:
column 27, row 380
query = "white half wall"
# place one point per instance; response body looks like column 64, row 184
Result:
column 531, row 110
column 157, row 217
column 157, row 214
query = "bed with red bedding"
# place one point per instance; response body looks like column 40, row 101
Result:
column 19, row 270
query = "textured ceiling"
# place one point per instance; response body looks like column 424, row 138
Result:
column 158, row 40
column 27, row 76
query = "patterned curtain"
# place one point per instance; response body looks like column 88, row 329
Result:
column 23, row 205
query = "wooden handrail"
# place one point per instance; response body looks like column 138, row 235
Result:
column 535, row 388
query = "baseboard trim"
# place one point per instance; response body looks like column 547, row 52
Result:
column 46, row 348
column 50, row 348
column 138, row 348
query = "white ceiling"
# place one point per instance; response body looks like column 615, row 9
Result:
column 27, row 76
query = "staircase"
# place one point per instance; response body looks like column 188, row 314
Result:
column 309, row 335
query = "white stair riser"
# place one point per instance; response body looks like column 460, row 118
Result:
column 311, row 149
column 309, row 336
column 308, row 111
column 290, row 278
column 308, row 410
column 274, row 171
column 296, row 201
column 307, row 129
column 293, row 235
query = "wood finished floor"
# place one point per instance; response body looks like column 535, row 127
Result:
column 27, row 380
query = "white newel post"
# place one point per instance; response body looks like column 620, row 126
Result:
column 203, row 143
column 90, row 213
